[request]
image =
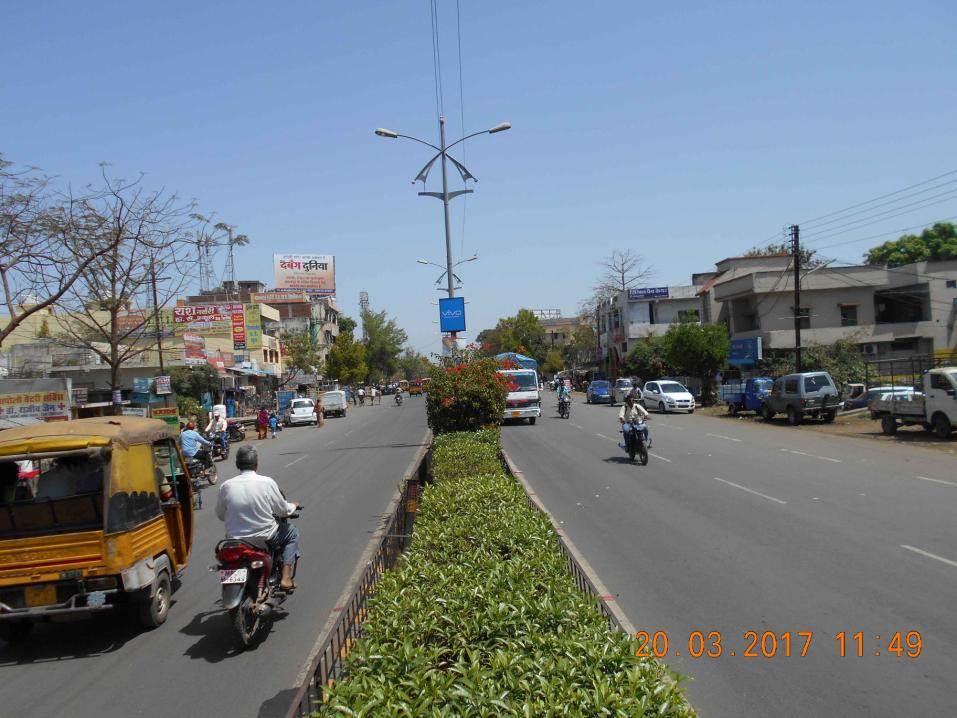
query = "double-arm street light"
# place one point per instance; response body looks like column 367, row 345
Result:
column 445, row 270
column 442, row 152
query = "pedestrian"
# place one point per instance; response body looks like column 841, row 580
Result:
column 262, row 422
column 355, row 396
column 273, row 423
column 372, row 393
column 362, row 396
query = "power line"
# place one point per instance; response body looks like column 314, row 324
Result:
column 875, row 199
column 436, row 59
column 465, row 197
column 886, row 234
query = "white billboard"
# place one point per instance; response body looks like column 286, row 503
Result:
column 314, row 274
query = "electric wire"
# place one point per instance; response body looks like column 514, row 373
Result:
column 436, row 59
column 861, row 282
column 465, row 197
column 887, row 234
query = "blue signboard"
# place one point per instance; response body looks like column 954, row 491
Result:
column 648, row 293
column 745, row 352
column 452, row 314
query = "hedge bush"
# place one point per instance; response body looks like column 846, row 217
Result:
column 481, row 618
column 466, row 396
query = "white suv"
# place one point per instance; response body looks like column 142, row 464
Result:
column 302, row 411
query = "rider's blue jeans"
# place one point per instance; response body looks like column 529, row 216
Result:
column 627, row 427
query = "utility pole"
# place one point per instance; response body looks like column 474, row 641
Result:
column 232, row 264
column 156, row 324
column 796, row 259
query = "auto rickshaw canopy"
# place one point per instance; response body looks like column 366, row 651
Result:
column 82, row 434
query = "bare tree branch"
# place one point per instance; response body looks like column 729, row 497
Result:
column 621, row 270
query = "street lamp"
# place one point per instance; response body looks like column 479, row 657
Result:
column 446, row 196
column 444, row 270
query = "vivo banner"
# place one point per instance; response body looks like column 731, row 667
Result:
column 452, row 314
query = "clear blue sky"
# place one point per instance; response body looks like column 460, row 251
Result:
column 687, row 131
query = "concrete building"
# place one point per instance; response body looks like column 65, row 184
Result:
column 559, row 330
column 904, row 311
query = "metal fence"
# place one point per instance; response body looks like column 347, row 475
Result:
column 900, row 372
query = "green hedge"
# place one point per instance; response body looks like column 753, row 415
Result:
column 481, row 618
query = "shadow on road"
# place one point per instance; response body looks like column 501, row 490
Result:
column 278, row 705
column 620, row 460
column 88, row 638
column 217, row 641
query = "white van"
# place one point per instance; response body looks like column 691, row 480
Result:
column 524, row 400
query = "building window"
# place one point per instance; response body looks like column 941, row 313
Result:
column 805, row 317
column 952, row 283
column 848, row 315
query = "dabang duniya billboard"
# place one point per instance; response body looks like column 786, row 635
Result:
column 313, row 274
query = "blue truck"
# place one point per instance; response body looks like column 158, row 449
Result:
column 746, row 396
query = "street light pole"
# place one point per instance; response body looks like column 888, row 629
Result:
column 445, row 203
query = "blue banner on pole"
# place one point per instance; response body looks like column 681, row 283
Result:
column 745, row 352
column 452, row 314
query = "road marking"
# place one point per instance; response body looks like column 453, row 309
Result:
column 937, row 481
column 928, row 554
column 662, row 458
column 602, row 436
column 750, row 491
column 813, row 456
column 670, row 426
column 576, row 426
column 350, row 431
column 726, row 438
column 296, row 461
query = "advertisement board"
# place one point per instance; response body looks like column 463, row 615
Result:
column 47, row 399
column 194, row 349
column 81, row 396
column 163, row 385
column 648, row 293
column 142, row 384
column 168, row 414
column 745, row 352
column 313, row 274
column 140, row 323
column 279, row 297
column 252, row 316
column 206, row 319
column 452, row 314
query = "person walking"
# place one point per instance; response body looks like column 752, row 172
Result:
column 262, row 422
column 362, row 396
column 273, row 423
column 372, row 393
column 355, row 396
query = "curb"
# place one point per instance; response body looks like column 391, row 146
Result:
column 609, row 599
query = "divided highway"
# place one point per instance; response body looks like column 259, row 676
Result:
column 736, row 526
column 345, row 474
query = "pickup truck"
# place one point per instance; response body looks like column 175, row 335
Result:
column 746, row 396
column 935, row 409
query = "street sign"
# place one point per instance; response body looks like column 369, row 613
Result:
column 648, row 293
column 452, row 314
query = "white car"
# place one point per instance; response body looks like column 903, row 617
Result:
column 303, row 411
column 623, row 387
column 667, row 396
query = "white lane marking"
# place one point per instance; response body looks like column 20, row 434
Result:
column 576, row 426
column 670, row 426
column 296, row 461
column 813, row 456
column 350, row 431
column 750, row 491
column 928, row 554
column 937, row 481
column 662, row 458
column 726, row 438
column 602, row 436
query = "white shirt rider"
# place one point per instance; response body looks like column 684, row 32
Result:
column 254, row 501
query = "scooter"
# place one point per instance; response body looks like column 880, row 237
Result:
column 250, row 572
column 398, row 399
column 634, row 442
column 236, row 431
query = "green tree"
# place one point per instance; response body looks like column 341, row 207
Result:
column 581, row 350
column 554, row 362
column 809, row 257
column 383, row 342
column 647, row 359
column 193, row 381
column 346, row 324
column 842, row 360
column 697, row 350
column 934, row 244
column 302, row 356
column 347, row 360
column 413, row 365
column 522, row 333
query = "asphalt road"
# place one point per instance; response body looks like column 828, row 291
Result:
column 345, row 474
column 736, row 527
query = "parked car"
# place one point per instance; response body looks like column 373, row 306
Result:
column 598, row 392
column 883, row 392
column 302, row 411
column 747, row 396
column 811, row 393
column 523, row 400
column 334, row 403
column 935, row 408
column 623, row 387
column 667, row 396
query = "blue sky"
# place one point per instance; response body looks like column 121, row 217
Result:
column 687, row 132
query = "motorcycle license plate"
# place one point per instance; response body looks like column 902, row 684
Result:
column 237, row 575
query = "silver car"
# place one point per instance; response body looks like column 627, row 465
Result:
column 303, row 411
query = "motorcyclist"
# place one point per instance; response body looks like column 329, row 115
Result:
column 192, row 443
column 632, row 413
column 564, row 393
column 251, row 505
column 217, row 429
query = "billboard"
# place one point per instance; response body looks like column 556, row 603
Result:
column 313, row 274
column 141, row 323
column 252, row 316
column 452, row 314
column 194, row 349
column 279, row 297
column 47, row 399
column 745, row 352
column 206, row 319
column 648, row 293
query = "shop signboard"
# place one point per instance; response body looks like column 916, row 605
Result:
column 745, row 352
column 252, row 315
column 135, row 411
column 239, row 331
column 648, row 293
column 47, row 399
column 168, row 414
column 279, row 297
column 141, row 384
column 162, row 385
column 314, row 274
column 194, row 349
column 81, row 396
column 206, row 319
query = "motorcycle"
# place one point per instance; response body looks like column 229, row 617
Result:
column 220, row 445
column 634, row 442
column 236, row 431
column 398, row 399
column 250, row 572
column 564, row 408
column 201, row 467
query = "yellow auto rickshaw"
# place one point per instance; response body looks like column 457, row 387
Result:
column 95, row 515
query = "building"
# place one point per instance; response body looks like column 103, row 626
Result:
column 634, row 314
column 559, row 330
column 888, row 312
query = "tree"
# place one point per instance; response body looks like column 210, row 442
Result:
column 934, row 244
column 553, row 363
column 809, row 257
column 302, row 356
column 522, row 334
column 621, row 270
column 698, row 350
column 413, row 365
column 648, row 358
column 383, row 342
column 48, row 240
column 346, row 324
column 193, row 381
column 582, row 348
column 347, row 360
column 149, row 233
column 842, row 360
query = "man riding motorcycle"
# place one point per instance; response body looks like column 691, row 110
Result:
column 564, row 393
column 250, row 506
column 633, row 413
column 192, row 443
column 216, row 428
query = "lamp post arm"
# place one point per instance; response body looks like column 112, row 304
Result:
column 422, row 142
column 467, row 137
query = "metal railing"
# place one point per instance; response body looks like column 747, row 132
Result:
column 395, row 534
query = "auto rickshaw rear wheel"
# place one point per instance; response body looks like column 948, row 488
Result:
column 15, row 631
column 154, row 609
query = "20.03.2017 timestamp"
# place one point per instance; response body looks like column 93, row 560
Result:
column 773, row 644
